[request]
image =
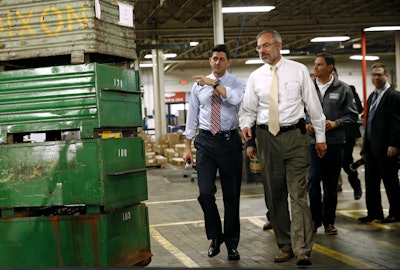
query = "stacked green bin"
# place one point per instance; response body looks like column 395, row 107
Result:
column 75, row 97
column 105, row 179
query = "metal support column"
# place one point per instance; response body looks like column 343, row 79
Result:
column 159, row 96
column 218, row 22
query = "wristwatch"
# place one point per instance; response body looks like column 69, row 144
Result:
column 216, row 84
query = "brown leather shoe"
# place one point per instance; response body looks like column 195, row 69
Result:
column 303, row 260
column 283, row 256
column 330, row 230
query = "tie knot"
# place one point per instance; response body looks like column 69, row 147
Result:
column 273, row 68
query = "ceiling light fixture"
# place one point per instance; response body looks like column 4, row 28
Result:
column 367, row 57
column 193, row 43
column 145, row 65
column 382, row 28
column 166, row 55
column 247, row 9
column 254, row 62
column 330, row 39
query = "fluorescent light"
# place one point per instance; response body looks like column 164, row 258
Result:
column 166, row 55
column 169, row 55
column 382, row 28
column 285, row 51
column 247, row 9
column 145, row 65
column 193, row 43
column 253, row 61
column 367, row 57
column 328, row 39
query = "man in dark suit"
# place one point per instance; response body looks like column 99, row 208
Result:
column 352, row 133
column 380, row 147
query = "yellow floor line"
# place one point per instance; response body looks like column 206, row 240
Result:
column 351, row 214
column 194, row 222
column 176, row 252
column 343, row 258
column 192, row 200
column 326, row 251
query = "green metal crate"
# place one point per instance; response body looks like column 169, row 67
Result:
column 72, row 97
column 119, row 238
column 94, row 172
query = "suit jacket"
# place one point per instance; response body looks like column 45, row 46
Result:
column 385, row 126
column 353, row 130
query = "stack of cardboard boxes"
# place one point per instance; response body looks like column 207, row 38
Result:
column 169, row 149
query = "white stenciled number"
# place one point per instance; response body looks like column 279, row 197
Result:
column 122, row 152
column 126, row 216
column 118, row 83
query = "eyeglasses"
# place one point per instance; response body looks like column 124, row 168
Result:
column 377, row 74
column 264, row 46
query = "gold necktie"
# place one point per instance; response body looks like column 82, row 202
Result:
column 273, row 122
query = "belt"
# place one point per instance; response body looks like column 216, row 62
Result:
column 283, row 129
column 220, row 133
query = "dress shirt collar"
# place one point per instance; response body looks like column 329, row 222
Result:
column 321, row 85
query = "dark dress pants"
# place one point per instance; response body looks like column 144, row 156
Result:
column 327, row 170
column 222, row 153
column 348, row 148
column 379, row 168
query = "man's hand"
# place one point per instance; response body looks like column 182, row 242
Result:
column 246, row 133
column 310, row 129
column 203, row 80
column 331, row 125
column 392, row 151
column 321, row 149
column 251, row 151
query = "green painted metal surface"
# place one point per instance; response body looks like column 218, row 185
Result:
column 72, row 97
column 119, row 238
column 104, row 172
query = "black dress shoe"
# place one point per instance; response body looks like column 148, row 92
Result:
column 267, row 226
column 367, row 219
column 213, row 249
column 357, row 194
column 389, row 219
column 233, row 254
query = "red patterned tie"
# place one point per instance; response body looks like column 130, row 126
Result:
column 215, row 112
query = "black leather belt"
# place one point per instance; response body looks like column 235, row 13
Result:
column 283, row 128
column 220, row 133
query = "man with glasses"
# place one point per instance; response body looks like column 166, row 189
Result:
column 276, row 97
column 381, row 147
column 213, row 109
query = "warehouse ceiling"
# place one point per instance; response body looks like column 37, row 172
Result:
column 172, row 24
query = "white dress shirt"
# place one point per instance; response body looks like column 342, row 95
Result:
column 296, row 93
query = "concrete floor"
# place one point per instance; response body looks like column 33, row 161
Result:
column 178, row 237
